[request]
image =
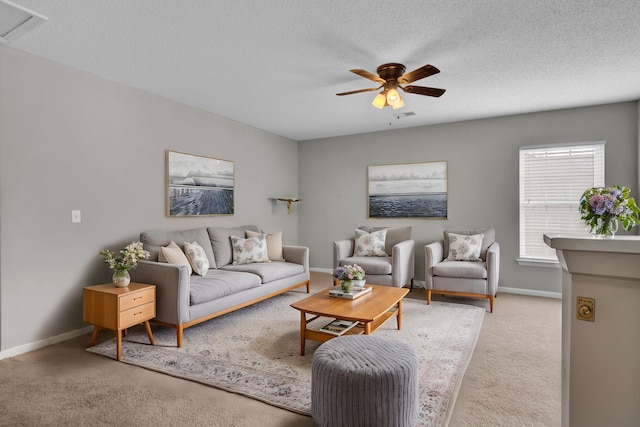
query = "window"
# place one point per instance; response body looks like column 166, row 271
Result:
column 552, row 179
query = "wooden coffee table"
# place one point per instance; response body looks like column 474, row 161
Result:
column 371, row 310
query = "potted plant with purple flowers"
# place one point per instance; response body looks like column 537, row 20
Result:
column 602, row 207
column 347, row 274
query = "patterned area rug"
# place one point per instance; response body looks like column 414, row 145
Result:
column 256, row 352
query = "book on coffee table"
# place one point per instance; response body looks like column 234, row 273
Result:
column 355, row 293
column 338, row 326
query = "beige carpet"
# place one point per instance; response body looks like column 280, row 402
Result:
column 513, row 379
column 255, row 352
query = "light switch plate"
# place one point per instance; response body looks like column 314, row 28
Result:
column 75, row 216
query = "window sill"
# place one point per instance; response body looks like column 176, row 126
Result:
column 536, row 262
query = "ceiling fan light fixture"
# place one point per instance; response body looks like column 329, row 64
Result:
column 392, row 96
column 379, row 101
column 399, row 103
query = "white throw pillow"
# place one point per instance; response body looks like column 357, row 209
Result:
column 274, row 244
column 172, row 254
column 370, row 244
column 465, row 248
column 247, row 251
column 197, row 258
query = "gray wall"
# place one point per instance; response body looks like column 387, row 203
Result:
column 482, row 160
column 70, row 140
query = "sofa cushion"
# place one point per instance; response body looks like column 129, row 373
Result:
column 461, row 269
column 369, row 244
column 249, row 251
column 221, row 243
column 370, row 265
column 487, row 240
column 269, row 271
column 153, row 240
column 172, row 254
column 274, row 244
column 464, row 248
column 395, row 235
column 197, row 258
column 219, row 283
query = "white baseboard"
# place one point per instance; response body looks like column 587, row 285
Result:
column 520, row 291
column 25, row 348
column 530, row 292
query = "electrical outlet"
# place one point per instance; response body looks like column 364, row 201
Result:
column 75, row 216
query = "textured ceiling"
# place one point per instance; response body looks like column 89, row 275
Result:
column 277, row 65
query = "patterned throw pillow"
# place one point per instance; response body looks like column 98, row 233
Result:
column 274, row 244
column 197, row 258
column 247, row 251
column 465, row 248
column 370, row 244
column 172, row 254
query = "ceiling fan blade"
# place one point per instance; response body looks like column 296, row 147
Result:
column 368, row 75
column 358, row 91
column 420, row 73
column 421, row 90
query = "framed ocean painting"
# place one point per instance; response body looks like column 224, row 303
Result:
column 408, row 190
column 198, row 185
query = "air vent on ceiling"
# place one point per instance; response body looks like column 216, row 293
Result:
column 16, row 20
column 407, row 114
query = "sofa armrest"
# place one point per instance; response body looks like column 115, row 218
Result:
column 172, row 289
column 403, row 263
column 493, row 267
column 433, row 254
column 297, row 255
column 342, row 249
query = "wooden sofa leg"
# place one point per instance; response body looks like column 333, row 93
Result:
column 491, row 298
column 428, row 296
column 179, row 331
column 308, row 286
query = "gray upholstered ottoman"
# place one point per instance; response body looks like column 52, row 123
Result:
column 364, row 380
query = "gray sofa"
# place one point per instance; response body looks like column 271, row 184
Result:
column 184, row 300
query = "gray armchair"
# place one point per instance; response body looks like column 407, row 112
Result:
column 448, row 272
column 395, row 268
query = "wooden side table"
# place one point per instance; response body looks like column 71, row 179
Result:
column 108, row 307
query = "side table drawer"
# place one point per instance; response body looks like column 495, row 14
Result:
column 136, row 315
column 135, row 299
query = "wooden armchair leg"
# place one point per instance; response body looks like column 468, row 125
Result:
column 428, row 296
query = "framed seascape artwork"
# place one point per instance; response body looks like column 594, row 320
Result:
column 198, row 185
column 408, row 190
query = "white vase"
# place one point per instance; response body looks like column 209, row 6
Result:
column 121, row 278
column 359, row 283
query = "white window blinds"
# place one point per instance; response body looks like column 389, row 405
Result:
column 552, row 179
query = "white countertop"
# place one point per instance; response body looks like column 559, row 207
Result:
column 590, row 243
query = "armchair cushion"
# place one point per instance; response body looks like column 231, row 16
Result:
column 370, row 244
column 487, row 240
column 371, row 265
column 464, row 248
column 461, row 269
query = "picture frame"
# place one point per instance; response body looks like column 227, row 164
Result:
column 408, row 190
column 199, row 185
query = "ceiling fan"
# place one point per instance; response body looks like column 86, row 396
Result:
column 390, row 76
